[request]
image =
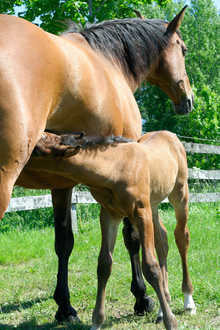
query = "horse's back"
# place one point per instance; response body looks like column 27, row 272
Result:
column 167, row 163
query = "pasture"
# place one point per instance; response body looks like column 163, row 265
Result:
column 28, row 267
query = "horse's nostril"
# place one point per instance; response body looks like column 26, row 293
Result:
column 189, row 104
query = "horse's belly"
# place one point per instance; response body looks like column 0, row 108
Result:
column 42, row 180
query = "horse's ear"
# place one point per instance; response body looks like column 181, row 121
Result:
column 138, row 14
column 70, row 151
column 176, row 22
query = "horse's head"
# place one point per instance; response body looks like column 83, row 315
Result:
column 170, row 73
column 52, row 145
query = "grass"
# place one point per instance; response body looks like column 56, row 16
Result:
column 28, row 267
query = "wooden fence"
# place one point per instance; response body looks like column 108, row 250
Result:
column 36, row 202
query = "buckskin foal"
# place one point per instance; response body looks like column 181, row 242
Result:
column 128, row 180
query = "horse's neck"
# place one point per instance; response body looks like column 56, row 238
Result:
column 81, row 41
column 93, row 166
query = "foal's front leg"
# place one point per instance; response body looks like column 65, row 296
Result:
column 138, row 287
column 109, row 229
column 63, row 246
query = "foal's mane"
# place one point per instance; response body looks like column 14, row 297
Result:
column 94, row 141
column 133, row 43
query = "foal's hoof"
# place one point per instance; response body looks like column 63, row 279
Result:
column 143, row 305
column 71, row 317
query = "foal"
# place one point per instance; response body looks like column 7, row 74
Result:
column 128, row 180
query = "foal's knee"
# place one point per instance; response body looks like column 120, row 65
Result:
column 182, row 237
column 104, row 266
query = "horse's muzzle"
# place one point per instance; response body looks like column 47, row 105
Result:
column 185, row 106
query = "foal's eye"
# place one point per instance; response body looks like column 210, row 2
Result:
column 184, row 50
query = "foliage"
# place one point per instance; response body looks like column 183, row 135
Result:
column 7, row 6
column 201, row 125
column 54, row 13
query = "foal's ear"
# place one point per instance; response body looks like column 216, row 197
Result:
column 138, row 14
column 70, row 151
column 176, row 22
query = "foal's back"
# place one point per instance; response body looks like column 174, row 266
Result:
column 167, row 164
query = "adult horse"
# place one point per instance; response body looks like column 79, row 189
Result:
column 81, row 81
column 128, row 179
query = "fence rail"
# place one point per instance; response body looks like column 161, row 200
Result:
column 36, row 202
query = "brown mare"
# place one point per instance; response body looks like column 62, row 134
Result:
column 80, row 81
column 128, row 180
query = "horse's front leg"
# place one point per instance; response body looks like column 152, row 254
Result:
column 64, row 242
column 138, row 287
column 109, row 229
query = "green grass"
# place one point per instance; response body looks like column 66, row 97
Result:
column 28, row 267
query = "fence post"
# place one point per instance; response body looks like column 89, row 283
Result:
column 74, row 217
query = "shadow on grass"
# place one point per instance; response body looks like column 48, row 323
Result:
column 129, row 318
column 25, row 305
column 31, row 325
column 109, row 323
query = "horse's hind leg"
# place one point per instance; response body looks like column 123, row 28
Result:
column 182, row 237
column 161, row 245
column 138, row 287
column 64, row 242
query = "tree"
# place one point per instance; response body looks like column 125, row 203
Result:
column 54, row 13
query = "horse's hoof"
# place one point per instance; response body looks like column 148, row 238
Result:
column 71, row 317
column 190, row 311
column 159, row 320
column 144, row 305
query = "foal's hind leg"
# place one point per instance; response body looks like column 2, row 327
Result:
column 138, row 287
column 179, row 200
column 161, row 245
column 64, row 242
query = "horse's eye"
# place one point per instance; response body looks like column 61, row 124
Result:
column 184, row 50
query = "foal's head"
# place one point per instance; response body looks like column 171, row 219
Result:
column 52, row 145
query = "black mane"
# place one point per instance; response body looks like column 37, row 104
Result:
column 94, row 141
column 133, row 43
